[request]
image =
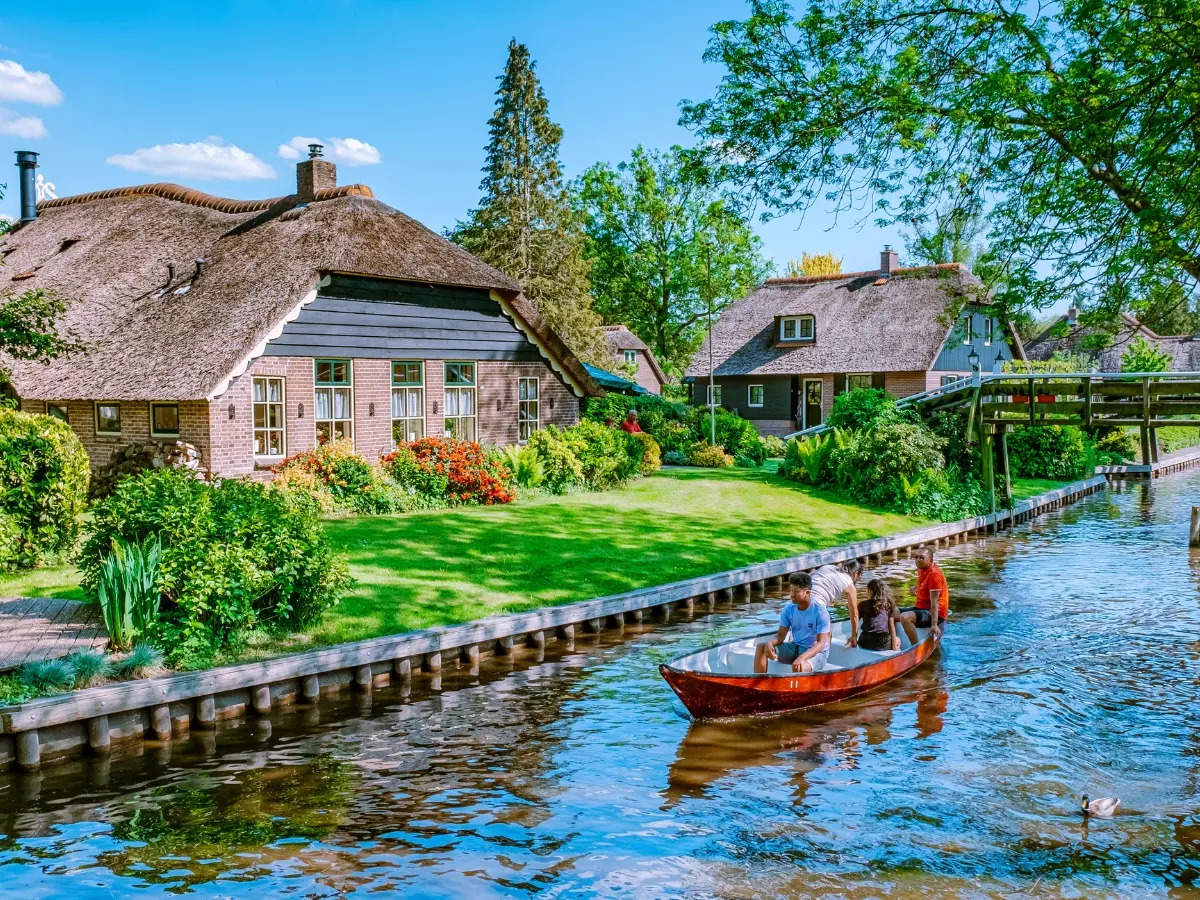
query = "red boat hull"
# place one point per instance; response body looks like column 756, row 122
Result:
column 709, row 696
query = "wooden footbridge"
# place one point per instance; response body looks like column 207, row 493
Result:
column 995, row 404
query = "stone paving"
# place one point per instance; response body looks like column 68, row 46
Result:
column 45, row 628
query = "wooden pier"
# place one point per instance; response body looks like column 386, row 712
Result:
column 97, row 720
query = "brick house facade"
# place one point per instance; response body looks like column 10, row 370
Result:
column 271, row 293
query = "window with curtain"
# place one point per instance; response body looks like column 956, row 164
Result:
column 527, row 407
column 408, row 401
column 333, row 399
column 460, row 411
column 268, row 416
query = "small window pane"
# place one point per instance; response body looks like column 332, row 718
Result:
column 324, row 405
column 108, row 418
column 789, row 329
column 324, row 372
column 164, row 418
column 58, row 412
column 341, row 372
column 260, row 390
column 275, row 390
column 756, row 395
column 806, row 328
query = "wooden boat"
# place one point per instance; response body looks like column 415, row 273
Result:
column 720, row 681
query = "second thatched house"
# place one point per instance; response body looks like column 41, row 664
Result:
column 780, row 356
column 1105, row 345
column 632, row 352
column 255, row 329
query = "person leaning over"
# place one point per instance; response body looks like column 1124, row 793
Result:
column 831, row 583
column 631, row 423
column 808, row 625
column 924, row 614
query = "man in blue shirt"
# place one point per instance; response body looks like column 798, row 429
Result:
column 809, row 627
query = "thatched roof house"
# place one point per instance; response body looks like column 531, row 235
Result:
column 186, row 300
column 780, row 355
column 629, row 349
column 1106, row 345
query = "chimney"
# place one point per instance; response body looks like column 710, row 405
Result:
column 27, row 162
column 889, row 260
column 1073, row 316
column 314, row 174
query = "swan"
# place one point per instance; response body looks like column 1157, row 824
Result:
column 1102, row 807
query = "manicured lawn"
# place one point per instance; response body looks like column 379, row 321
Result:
column 452, row 566
column 1024, row 488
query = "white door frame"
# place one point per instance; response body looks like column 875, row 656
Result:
column 804, row 383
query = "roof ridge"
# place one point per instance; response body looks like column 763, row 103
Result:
column 180, row 194
column 869, row 273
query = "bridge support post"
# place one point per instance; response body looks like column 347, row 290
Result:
column 1008, row 497
column 1145, row 435
column 987, row 455
column 1194, row 535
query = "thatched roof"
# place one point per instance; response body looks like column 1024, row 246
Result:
column 1067, row 334
column 107, row 254
column 864, row 322
column 620, row 338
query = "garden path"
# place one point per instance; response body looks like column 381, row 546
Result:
column 34, row 628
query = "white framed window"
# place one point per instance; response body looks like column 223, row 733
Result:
column 797, row 328
column 631, row 356
column 460, row 412
column 108, row 417
column 950, row 379
column 164, row 420
column 528, row 414
column 989, row 325
column 268, row 405
column 714, row 395
column 856, row 380
column 754, row 395
column 333, row 397
column 408, row 400
column 968, row 333
column 57, row 411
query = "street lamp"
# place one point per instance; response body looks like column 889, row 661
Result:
column 973, row 361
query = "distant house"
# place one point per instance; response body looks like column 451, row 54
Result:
column 256, row 329
column 1107, row 345
column 782, row 354
column 628, row 348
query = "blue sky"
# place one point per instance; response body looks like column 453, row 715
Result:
column 94, row 87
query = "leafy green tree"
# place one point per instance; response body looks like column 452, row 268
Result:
column 1142, row 356
column 812, row 264
column 1074, row 122
column 524, row 224
column 664, row 245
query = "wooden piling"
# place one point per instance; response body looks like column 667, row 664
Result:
column 261, row 697
column 29, row 750
column 433, row 662
column 99, row 741
column 1194, row 536
column 536, row 640
column 206, row 711
column 504, row 645
column 402, row 666
column 160, row 722
column 363, row 679
column 310, row 688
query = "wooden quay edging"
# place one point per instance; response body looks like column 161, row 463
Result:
column 166, row 708
column 1188, row 458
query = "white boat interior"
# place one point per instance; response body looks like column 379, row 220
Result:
column 737, row 657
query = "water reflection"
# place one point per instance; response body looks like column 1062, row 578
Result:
column 1071, row 664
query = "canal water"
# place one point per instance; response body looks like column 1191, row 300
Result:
column 1072, row 665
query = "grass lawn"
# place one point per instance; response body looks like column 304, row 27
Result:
column 1024, row 488
column 452, row 566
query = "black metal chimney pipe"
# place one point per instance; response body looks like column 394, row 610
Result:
column 27, row 162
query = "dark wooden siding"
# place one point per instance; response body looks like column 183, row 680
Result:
column 735, row 395
column 362, row 317
column 953, row 357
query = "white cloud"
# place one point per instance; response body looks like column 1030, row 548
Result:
column 209, row 158
column 18, row 83
column 21, row 126
column 350, row 151
column 354, row 152
column 297, row 147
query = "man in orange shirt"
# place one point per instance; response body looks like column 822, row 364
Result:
column 929, row 577
column 631, row 423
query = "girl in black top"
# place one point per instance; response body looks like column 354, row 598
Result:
column 878, row 615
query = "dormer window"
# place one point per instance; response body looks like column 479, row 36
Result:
column 796, row 328
column 631, row 357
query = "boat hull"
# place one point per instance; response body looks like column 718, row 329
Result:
column 712, row 696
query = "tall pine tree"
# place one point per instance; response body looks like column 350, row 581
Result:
column 524, row 224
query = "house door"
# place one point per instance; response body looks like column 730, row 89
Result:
column 812, row 402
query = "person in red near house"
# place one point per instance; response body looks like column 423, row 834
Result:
column 630, row 424
column 929, row 578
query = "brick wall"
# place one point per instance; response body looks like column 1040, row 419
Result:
column 645, row 374
column 902, row 384
column 135, row 427
column 497, row 425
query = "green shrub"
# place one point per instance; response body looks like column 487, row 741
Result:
column 736, row 435
column 126, row 591
column 1142, row 356
column 235, row 556
column 656, row 415
column 674, row 458
column 709, row 456
column 607, row 456
column 561, row 469
column 43, row 488
column 812, row 459
column 861, row 408
column 951, row 427
column 335, row 471
column 523, row 462
column 676, row 436
column 943, row 494
column 871, row 466
column 46, row 676
column 651, row 454
column 87, row 667
column 1048, row 451
column 1114, row 445
column 773, row 446
column 140, row 662
column 423, row 486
